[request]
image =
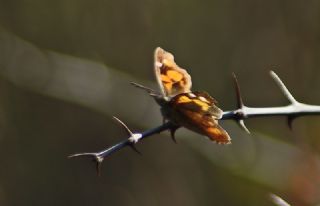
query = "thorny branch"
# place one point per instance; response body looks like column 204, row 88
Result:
column 293, row 110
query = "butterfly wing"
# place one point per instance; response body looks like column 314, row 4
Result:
column 198, row 112
column 171, row 78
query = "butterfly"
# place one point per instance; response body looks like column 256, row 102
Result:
column 196, row 111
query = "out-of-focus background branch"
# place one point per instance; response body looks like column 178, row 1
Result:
column 65, row 68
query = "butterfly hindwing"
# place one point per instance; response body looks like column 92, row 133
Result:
column 199, row 114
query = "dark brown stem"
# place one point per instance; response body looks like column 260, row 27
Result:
column 98, row 157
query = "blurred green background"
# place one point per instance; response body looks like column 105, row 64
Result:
column 65, row 68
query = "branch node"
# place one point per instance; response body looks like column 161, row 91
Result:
column 133, row 137
column 95, row 157
column 239, row 114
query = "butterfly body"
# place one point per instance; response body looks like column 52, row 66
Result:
column 196, row 111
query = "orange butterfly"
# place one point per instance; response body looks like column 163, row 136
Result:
column 196, row 111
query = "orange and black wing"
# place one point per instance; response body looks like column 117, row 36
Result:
column 198, row 112
column 171, row 78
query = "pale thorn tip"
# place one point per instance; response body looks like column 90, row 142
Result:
column 278, row 200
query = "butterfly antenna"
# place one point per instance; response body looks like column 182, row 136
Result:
column 150, row 91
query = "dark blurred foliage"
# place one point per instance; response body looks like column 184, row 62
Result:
column 65, row 68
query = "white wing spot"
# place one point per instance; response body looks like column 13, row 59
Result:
column 203, row 99
column 191, row 95
column 158, row 64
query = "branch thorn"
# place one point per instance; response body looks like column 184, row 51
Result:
column 278, row 200
column 240, row 104
column 173, row 132
column 283, row 88
column 238, row 92
column 133, row 147
column 243, row 126
column 128, row 131
column 98, row 161
column 290, row 120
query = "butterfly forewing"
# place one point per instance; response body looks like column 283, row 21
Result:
column 172, row 79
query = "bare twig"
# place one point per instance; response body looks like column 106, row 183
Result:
column 291, row 111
